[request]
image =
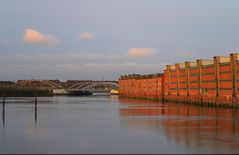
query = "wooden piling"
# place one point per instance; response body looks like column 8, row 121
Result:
column 3, row 100
column 35, row 105
column 35, row 112
column 3, row 108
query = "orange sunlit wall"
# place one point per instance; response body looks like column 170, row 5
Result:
column 193, row 81
column 182, row 88
column 141, row 86
column 225, row 78
column 208, row 80
column 237, row 77
column 214, row 81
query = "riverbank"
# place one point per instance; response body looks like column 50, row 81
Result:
column 25, row 92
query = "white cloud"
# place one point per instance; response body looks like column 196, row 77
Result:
column 34, row 36
column 86, row 36
column 141, row 52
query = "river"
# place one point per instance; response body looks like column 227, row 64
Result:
column 107, row 124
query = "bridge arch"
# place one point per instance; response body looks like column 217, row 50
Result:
column 92, row 85
column 38, row 83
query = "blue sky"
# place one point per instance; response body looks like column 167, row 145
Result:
column 103, row 39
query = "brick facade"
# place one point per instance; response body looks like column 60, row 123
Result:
column 214, row 81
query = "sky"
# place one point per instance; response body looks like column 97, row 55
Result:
column 104, row 39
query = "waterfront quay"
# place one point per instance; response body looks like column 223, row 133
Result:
column 213, row 82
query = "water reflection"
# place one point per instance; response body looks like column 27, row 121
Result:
column 4, row 109
column 79, row 124
column 190, row 125
column 3, row 112
column 35, row 111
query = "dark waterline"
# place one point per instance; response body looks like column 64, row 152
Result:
column 104, row 124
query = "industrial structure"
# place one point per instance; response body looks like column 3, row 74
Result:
column 142, row 86
column 56, row 87
column 211, row 82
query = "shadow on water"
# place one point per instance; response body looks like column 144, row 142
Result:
column 190, row 125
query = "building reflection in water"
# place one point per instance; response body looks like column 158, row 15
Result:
column 190, row 125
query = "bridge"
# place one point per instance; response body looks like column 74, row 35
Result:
column 70, row 86
column 95, row 86
column 50, row 84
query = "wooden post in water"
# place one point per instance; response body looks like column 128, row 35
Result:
column 35, row 93
column 3, row 108
column 3, row 99
column 35, row 97
column 35, row 112
column 35, row 104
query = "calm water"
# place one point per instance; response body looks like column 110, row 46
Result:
column 104, row 124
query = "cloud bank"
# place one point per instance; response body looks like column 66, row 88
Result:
column 35, row 37
column 63, row 66
column 141, row 52
column 86, row 36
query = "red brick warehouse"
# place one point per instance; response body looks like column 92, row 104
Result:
column 214, row 82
